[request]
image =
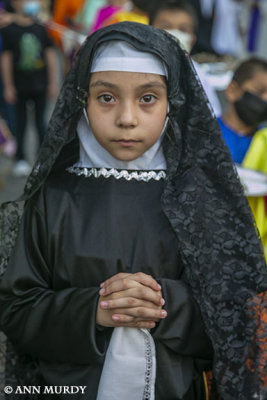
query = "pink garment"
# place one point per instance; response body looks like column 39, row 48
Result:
column 103, row 14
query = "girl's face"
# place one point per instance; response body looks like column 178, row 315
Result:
column 127, row 111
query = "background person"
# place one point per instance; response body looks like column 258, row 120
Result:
column 243, row 130
column 179, row 19
column 29, row 72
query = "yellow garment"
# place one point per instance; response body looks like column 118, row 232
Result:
column 122, row 15
column 256, row 158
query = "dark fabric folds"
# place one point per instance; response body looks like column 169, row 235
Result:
column 203, row 200
column 48, row 304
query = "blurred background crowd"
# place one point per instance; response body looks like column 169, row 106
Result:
column 226, row 40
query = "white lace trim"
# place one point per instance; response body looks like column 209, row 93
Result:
column 118, row 174
column 149, row 384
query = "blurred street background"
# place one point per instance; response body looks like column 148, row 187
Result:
column 227, row 32
column 11, row 186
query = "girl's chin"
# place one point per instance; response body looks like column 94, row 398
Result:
column 125, row 157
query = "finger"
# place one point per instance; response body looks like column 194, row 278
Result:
column 133, row 322
column 139, row 277
column 117, row 284
column 126, row 302
column 142, row 325
column 141, row 313
column 145, row 324
column 131, row 288
column 146, row 294
column 114, row 278
column 136, row 324
column 122, row 319
column 146, row 280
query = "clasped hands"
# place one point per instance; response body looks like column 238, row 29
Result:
column 130, row 300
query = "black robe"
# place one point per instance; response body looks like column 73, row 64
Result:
column 76, row 233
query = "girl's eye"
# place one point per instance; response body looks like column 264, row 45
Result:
column 148, row 99
column 106, row 98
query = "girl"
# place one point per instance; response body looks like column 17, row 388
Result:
column 136, row 257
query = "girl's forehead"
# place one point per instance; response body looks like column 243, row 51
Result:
column 120, row 78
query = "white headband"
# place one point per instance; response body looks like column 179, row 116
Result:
column 117, row 55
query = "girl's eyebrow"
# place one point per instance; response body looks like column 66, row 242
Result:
column 103, row 83
column 149, row 85
column 153, row 84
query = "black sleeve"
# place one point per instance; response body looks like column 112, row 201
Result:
column 50, row 325
column 48, row 42
column 182, row 330
column 6, row 36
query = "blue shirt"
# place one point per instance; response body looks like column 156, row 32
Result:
column 237, row 144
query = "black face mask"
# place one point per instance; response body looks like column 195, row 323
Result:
column 251, row 109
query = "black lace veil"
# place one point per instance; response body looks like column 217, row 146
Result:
column 203, row 200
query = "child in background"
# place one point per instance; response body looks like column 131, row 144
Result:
column 29, row 72
column 136, row 257
column 179, row 19
column 242, row 128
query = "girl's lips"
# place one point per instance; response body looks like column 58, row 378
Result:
column 127, row 143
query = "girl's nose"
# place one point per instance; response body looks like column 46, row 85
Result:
column 127, row 115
